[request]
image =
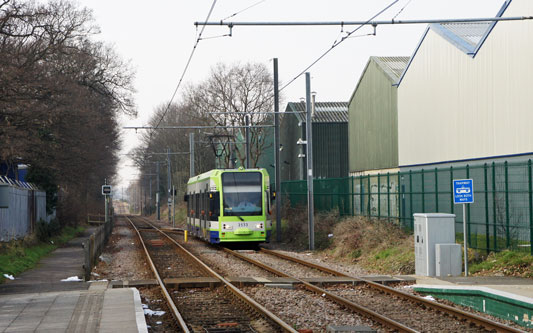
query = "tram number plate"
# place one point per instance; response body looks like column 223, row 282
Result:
column 243, row 224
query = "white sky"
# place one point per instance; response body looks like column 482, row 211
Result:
column 157, row 37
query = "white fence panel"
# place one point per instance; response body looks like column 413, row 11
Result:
column 25, row 209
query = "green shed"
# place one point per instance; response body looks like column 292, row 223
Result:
column 373, row 116
column 330, row 140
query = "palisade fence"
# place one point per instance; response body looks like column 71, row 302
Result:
column 500, row 218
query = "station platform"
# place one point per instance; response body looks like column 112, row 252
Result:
column 41, row 300
column 97, row 309
column 520, row 287
column 510, row 298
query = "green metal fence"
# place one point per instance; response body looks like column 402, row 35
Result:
column 500, row 218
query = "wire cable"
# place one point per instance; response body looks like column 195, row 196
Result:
column 401, row 10
column 186, row 66
column 337, row 44
column 242, row 10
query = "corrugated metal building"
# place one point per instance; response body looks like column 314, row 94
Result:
column 330, row 140
column 373, row 116
column 466, row 94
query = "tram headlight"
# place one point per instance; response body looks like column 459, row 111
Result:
column 259, row 226
column 227, row 227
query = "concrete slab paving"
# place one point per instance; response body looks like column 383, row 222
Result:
column 109, row 310
column 37, row 300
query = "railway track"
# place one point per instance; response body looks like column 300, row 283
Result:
column 221, row 309
column 392, row 309
column 417, row 317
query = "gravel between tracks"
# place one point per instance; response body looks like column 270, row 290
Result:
column 224, row 263
column 417, row 317
column 291, row 268
column 123, row 257
column 350, row 269
column 304, row 310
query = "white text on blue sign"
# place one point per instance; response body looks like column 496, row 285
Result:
column 463, row 191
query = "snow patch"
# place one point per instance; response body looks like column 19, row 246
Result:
column 153, row 313
column 8, row 276
column 72, row 278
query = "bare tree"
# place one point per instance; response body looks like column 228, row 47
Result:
column 237, row 91
column 60, row 96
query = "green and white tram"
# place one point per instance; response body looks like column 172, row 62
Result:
column 230, row 205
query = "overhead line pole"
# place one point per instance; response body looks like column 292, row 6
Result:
column 247, row 141
column 169, row 183
column 276, row 151
column 309, row 155
column 372, row 23
column 157, row 194
column 191, row 150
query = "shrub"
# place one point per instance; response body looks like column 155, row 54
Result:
column 46, row 230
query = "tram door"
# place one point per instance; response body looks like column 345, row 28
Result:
column 204, row 213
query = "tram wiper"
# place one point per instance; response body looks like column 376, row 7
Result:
column 240, row 218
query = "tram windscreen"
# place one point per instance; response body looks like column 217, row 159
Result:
column 242, row 194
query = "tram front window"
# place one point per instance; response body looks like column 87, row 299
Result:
column 242, row 195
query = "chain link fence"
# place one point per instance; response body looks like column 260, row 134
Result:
column 500, row 218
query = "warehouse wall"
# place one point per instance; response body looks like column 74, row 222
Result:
column 453, row 107
column 373, row 124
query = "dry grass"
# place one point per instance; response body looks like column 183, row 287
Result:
column 377, row 245
column 295, row 228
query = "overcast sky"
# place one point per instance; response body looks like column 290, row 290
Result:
column 157, row 37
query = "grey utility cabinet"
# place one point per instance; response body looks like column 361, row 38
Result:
column 431, row 229
column 448, row 260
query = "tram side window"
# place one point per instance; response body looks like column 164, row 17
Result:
column 214, row 206
column 197, row 202
column 191, row 210
column 200, row 204
column 191, row 199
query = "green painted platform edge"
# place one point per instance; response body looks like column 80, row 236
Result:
column 474, row 292
column 517, row 311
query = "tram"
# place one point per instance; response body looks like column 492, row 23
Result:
column 230, row 205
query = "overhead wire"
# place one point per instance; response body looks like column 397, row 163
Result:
column 401, row 10
column 348, row 34
column 230, row 34
column 186, row 66
column 242, row 10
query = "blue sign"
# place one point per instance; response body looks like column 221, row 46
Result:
column 463, row 191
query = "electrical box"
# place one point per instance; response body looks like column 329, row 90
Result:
column 448, row 260
column 431, row 229
column 4, row 195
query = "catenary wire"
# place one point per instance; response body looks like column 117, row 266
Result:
column 401, row 10
column 337, row 44
column 186, row 66
column 242, row 10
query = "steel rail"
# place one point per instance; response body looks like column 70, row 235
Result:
column 338, row 299
column 175, row 311
column 474, row 318
column 250, row 301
